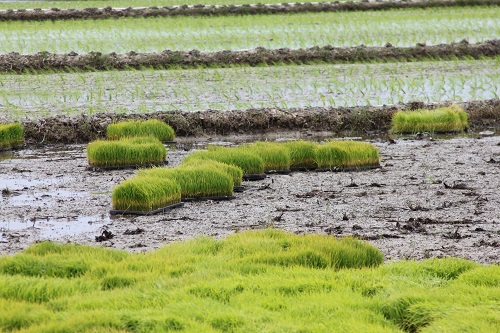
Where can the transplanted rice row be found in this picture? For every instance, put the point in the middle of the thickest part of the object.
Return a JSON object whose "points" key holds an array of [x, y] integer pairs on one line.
{"points": [[401, 28], [446, 119], [126, 152], [11, 135], [152, 127]]}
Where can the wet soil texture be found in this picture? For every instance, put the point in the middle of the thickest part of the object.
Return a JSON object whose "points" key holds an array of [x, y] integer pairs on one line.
{"points": [[431, 198], [21, 63]]}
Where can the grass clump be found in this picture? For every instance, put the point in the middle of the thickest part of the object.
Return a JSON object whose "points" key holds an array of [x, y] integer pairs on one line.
{"points": [[126, 151], [446, 119], [249, 162], [11, 135], [346, 154], [145, 194], [195, 181], [235, 172], [302, 154], [152, 127], [257, 281], [276, 157]]}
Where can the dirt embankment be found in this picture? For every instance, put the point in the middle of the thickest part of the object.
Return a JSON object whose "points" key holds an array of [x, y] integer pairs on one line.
{"points": [[216, 10], [24, 63], [83, 128]]}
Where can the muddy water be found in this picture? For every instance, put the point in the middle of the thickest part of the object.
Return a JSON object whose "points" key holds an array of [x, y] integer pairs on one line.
{"points": [[432, 197]]}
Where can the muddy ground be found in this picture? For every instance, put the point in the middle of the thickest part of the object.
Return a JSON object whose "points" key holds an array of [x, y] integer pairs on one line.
{"points": [[431, 198], [24, 63], [216, 10]]}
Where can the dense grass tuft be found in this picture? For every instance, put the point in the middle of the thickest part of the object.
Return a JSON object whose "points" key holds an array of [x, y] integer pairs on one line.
{"points": [[127, 151], [346, 154], [195, 181], [145, 194], [11, 135], [276, 157], [302, 154], [235, 172], [249, 162], [152, 127], [258, 281], [445, 119]]}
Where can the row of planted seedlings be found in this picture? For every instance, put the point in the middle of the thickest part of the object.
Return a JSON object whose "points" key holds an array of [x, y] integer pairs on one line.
{"points": [[11, 136], [216, 173], [131, 144]]}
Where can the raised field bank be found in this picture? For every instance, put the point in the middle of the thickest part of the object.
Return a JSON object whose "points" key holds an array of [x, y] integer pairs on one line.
{"points": [[231, 167]]}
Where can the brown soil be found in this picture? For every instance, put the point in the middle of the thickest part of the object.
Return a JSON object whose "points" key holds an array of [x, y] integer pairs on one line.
{"points": [[431, 198], [214, 10], [24, 63], [82, 128]]}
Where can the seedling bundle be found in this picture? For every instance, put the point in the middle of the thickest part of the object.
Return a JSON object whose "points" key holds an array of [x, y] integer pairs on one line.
{"points": [[346, 155], [11, 135], [196, 182], [276, 157], [302, 154], [249, 162], [126, 152], [445, 119], [153, 127], [235, 172], [144, 194]]}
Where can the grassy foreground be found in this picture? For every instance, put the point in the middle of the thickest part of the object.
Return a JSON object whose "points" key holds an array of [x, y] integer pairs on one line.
{"points": [[266, 281]]}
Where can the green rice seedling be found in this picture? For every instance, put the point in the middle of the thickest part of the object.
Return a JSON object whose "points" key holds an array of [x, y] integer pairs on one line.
{"points": [[302, 154], [145, 194], [445, 119], [249, 162], [346, 154], [11, 135], [235, 172], [126, 151], [276, 157], [195, 181], [152, 127]]}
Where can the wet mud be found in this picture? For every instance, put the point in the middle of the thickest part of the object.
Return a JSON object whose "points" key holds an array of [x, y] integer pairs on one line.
{"points": [[28, 63], [432, 197], [83, 128], [216, 10]]}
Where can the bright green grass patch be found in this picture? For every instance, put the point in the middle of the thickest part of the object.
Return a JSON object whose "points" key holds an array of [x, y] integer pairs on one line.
{"points": [[145, 194], [11, 135], [195, 181], [302, 154], [249, 162], [235, 172], [258, 281], [445, 119], [126, 151], [276, 157], [346, 154], [152, 127]]}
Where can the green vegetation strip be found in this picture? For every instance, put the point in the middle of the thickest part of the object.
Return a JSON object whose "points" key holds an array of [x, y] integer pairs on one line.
{"points": [[126, 152], [346, 155], [18, 63], [446, 119], [219, 10], [11, 135], [152, 127], [266, 281], [401, 28]]}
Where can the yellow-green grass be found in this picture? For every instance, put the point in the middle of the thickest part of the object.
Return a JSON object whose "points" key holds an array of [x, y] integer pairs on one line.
{"points": [[249, 162], [302, 154], [265, 281], [195, 181], [276, 157], [11, 135], [152, 127], [126, 151], [446, 119], [145, 194], [346, 154], [235, 172]]}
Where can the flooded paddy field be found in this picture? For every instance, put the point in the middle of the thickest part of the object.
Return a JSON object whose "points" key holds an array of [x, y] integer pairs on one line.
{"points": [[431, 198]]}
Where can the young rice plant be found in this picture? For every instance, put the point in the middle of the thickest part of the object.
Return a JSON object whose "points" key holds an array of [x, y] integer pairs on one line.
{"points": [[276, 157], [235, 172], [445, 119], [11, 135], [346, 154], [249, 162], [302, 154], [152, 127]]}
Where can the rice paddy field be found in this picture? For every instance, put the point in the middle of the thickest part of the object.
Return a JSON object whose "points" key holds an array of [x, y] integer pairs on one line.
{"points": [[402, 235]]}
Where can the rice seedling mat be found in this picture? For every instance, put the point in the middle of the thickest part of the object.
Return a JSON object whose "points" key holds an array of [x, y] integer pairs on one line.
{"points": [[153, 212]]}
